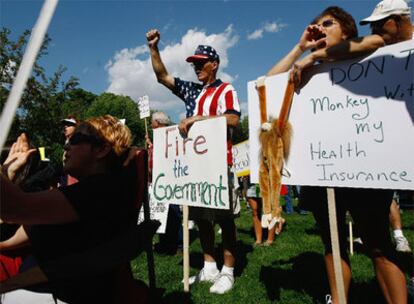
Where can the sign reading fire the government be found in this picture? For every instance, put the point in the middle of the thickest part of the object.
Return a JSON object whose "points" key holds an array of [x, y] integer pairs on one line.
{"points": [[193, 170]]}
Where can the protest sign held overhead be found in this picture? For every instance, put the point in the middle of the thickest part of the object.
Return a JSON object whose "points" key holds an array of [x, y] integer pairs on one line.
{"points": [[144, 107], [192, 171], [352, 122]]}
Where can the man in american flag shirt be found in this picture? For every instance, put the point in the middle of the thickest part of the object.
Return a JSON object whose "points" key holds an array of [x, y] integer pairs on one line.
{"points": [[211, 97]]}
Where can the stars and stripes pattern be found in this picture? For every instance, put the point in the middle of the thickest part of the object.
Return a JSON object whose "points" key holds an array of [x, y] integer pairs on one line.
{"points": [[187, 91], [217, 99], [204, 52]]}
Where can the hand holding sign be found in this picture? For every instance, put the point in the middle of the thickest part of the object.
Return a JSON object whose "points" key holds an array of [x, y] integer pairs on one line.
{"points": [[186, 124]]}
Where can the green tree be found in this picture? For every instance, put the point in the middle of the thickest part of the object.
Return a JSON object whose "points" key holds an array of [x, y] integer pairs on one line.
{"points": [[40, 109], [77, 102], [241, 132], [122, 107]]}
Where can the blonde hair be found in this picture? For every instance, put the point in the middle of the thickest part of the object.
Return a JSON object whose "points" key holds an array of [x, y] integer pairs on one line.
{"points": [[111, 130]]}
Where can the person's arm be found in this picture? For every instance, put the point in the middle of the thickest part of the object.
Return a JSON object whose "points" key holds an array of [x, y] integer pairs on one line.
{"points": [[18, 240], [349, 49], [44, 207], [311, 38], [232, 120], [163, 77], [30, 277], [345, 50]]}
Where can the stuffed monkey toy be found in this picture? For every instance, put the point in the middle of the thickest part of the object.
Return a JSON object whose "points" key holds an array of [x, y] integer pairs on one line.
{"points": [[275, 136]]}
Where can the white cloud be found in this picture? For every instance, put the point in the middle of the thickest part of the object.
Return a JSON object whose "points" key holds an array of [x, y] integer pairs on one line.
{"points": [[257, 34], [130, 70], [269, 27]]}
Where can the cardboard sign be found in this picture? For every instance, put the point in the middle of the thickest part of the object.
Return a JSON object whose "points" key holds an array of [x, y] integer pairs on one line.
{"points": [[143, 106], [352, 122], [241, 159], [192, 171], [158, 211]]}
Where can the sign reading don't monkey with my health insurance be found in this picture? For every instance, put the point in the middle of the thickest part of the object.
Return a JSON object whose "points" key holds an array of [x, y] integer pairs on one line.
{"points": [[353, 122], [192, 171]]}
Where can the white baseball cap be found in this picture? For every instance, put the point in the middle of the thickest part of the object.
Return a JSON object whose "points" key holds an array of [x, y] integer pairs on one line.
{"points": [[387, 8], [69, 121]]}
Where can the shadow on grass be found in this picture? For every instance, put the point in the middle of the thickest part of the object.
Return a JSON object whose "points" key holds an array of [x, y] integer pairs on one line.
{"points": [[249, 232], [307, 275], [312, 231], [367, 292], [405, 261], [176, 297]]}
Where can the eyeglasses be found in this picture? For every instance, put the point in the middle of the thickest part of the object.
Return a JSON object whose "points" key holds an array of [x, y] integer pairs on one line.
{"points": [[198, 65], [327, 23], [79, 138]]}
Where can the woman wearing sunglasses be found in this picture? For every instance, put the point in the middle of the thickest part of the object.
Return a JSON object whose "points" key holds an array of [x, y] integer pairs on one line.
{"points": [[331, 27], [369, 208], [74, 219]]}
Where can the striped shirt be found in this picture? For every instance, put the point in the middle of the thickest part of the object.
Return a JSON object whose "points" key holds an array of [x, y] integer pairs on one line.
{"points": [[215, 99]]}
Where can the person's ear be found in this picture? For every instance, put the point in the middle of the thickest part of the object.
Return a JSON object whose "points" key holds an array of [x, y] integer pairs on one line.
{"points": [[215, 66], [103, 150]]}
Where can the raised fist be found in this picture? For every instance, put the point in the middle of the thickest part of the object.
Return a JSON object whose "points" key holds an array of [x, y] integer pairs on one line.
{"points": [[153, 36]]}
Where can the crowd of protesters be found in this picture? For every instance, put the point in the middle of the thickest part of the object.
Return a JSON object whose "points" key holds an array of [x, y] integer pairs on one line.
{"points": [[94, 201]]}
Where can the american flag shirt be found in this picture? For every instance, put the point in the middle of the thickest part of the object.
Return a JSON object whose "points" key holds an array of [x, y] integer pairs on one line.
{"points": [[215, 99]]}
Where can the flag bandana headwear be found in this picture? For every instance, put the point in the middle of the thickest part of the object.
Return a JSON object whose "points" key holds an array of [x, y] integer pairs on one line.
{"points": [[387, 8], [204, 52]]}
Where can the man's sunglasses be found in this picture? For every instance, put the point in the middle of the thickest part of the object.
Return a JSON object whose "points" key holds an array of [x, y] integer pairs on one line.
{"points": [[327, 23], [79, 138], [380, 23], [198, 65]]}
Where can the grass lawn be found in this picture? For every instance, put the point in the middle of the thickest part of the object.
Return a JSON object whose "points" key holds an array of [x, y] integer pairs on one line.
{"points": [[290, 271]]}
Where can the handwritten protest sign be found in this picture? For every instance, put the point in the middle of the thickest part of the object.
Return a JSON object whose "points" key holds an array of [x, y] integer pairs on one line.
{"points": [[241, 159], [158, 211], [144, 108], [192, 171], [352, 122]]}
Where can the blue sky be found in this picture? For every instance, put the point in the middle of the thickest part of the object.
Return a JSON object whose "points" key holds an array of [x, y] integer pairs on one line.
{"points": [[103, 42]]}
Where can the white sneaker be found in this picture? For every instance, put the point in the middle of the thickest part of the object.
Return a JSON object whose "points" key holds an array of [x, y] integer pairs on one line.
{"points": [[204, 276], [223, 283], [191, 225], [402, 244], [328, 299]]}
